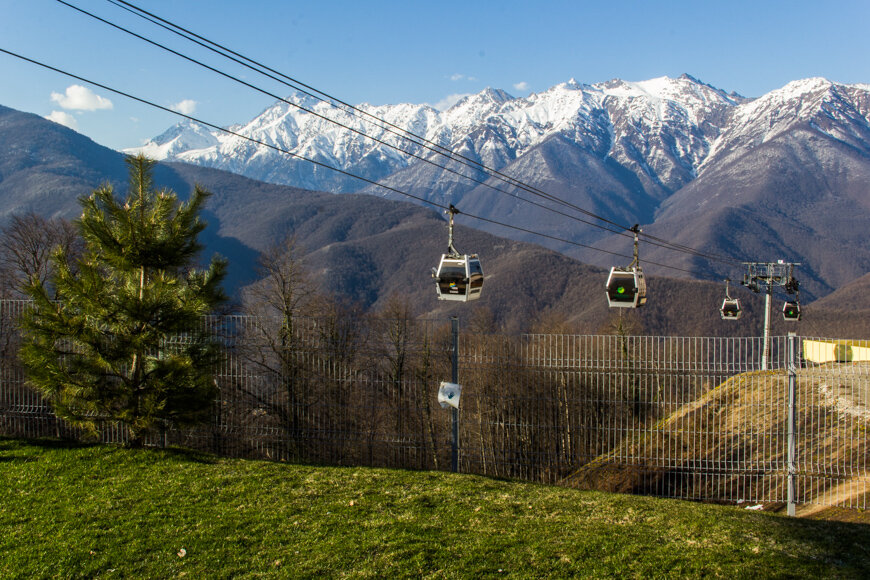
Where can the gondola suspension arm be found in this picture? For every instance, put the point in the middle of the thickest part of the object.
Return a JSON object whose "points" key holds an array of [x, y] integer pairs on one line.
{"points": [[636, 230], [451, 249]]}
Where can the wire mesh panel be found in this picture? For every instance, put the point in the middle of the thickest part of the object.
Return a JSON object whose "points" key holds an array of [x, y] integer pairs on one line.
{"points": [[691, 418], [338, 391], [23, 413], [833, 404], [639, 414], [333, 391]]}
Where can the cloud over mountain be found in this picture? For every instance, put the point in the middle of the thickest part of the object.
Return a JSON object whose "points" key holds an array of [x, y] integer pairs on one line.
{"points": [[79, 98]]}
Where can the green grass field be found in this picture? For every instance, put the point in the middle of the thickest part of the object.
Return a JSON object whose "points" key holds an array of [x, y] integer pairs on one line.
{"points": [[103, 512]]}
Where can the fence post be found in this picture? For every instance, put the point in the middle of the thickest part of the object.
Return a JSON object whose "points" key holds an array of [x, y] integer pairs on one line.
{"points": [[3, 306], [792, 412], [765, 347], [454, 378]]}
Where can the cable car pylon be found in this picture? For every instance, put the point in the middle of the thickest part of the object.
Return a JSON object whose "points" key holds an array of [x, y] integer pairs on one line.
{"points": [[458, 277], [767, 275], [626, 287]]}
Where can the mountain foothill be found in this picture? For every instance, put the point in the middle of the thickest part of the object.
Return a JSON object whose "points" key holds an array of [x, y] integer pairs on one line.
{"points": [[782, 176]]}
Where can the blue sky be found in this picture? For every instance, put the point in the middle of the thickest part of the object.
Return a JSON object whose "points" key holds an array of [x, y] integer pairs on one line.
{"points": [[403, 51]]}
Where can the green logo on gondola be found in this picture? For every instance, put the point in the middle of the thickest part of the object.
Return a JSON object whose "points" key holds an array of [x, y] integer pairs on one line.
{"points": [[620, 290]]}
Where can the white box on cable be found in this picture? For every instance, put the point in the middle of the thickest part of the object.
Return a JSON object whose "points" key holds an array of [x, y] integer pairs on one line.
{"points": [[448, 395]]}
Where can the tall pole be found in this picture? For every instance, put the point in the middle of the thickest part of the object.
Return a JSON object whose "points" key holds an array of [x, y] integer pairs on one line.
{"points": [[792, 422], [454, 459], [765, 354]]}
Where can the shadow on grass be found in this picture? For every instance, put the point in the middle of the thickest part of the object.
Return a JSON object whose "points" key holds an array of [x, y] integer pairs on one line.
{"points": [[15, 449], [8, 443], [182, 454], [174, 453], [21, 458]]}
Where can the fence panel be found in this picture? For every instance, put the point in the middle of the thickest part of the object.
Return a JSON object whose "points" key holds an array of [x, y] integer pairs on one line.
{"points": [[23, 413], [638, 414], [680, 417], [833, 403]]}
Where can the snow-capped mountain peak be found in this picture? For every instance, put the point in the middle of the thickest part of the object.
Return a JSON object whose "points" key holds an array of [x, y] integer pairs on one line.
{"points": [[839, 111], [183, 137], [663, 130]]}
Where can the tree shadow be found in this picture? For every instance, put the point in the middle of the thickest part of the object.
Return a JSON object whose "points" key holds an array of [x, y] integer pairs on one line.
{"points": [[181, 454], [12, 443]]}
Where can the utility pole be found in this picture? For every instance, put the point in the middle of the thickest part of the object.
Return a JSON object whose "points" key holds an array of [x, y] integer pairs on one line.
{"points": [[766, 275], [454, 415]]}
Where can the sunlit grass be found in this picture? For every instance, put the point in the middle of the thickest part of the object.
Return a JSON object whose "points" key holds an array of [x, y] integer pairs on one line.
{"points": [[73, 511]]}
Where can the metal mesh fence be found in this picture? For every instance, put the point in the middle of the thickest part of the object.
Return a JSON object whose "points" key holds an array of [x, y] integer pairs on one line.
{"points": [[690, 418]]}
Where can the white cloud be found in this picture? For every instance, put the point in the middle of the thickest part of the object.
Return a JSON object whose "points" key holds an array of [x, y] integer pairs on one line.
{"points": [[522, 86], [461, 77], [449, 101], [64, 119], [79, 98], [185, 107]]}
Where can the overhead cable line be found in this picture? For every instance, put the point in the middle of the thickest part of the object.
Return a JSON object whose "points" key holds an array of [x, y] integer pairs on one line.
{"points": [[346, 107], [338, 123], [385, 125], [402, 133], [306, 159]]}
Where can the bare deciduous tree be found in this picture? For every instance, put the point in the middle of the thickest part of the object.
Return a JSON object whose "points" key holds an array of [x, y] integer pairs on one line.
{"points": [[303, 341], [26, 245], [276, 301]]}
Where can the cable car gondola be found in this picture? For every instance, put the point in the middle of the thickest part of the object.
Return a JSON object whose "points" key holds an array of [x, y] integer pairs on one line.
{"points": [[458, 277], [730, 309], [791, 311], [626, 287]]}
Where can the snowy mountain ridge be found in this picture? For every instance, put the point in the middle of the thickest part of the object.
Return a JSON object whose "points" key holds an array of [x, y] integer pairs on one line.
{"points": [[665, 131], [840, 111], [491, 126]]}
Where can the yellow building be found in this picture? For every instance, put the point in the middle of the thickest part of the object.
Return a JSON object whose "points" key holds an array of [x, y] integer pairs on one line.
{"points": [[823, 351]]}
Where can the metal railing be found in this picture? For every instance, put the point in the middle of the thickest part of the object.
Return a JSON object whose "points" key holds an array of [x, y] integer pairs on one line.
{"points": [[690, 418]]}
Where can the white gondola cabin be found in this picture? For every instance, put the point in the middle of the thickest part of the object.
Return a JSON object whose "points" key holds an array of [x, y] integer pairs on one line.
{"points": [[791, 311], [459, 277], [626, 288], [730, 309]]}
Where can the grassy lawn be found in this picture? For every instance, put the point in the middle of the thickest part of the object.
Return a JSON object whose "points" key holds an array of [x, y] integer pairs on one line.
{"points": [[100, 511]]}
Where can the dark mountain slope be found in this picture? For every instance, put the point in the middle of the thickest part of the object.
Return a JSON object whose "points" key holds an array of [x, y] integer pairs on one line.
{"points": [[363, 247], [45, 167], [853, 296], [577, 176], [801, 197]]}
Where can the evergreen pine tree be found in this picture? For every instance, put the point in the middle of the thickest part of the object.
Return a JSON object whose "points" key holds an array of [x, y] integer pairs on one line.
{"points": [[121, 337]]}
